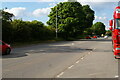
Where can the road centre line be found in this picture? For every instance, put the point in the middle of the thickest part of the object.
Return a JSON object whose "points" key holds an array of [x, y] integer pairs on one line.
{"points": [[82, 57], [77, 61], [70, 67], [60, 74]]}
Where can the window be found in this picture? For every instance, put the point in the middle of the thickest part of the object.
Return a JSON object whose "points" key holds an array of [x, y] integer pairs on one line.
{"points": [[117, 10], [117, 23], [0, 43]]}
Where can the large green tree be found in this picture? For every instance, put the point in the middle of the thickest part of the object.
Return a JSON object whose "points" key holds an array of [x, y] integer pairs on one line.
{"points": [[6, 26], [70, 19], [6, 16], [89, 13], [98, 28]]}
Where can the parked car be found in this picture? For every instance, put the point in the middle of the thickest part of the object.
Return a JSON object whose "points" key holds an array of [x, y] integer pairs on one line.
{"points": [[106, 37], [5, 48], [94, 37], [88, 37]]}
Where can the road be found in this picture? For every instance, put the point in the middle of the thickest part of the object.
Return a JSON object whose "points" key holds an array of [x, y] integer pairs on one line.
{"points": [[65, 59]]}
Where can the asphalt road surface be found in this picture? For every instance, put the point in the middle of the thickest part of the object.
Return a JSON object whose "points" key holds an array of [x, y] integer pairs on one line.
{"points": [[65, 59]]}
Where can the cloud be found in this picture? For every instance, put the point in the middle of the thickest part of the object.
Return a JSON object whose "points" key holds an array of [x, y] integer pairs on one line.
{"points": [[21, 12], [27, 0], [46, 0], [52, 4], [95, 0], [99, 0], [41, 12], [58, 0], [100, 18], [18, 11]]}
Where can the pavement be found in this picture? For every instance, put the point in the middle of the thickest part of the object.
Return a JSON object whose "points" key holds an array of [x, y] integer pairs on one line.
{"points": [[66, 59]]}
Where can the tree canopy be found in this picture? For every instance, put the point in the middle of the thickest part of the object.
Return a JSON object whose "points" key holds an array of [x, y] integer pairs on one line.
{"points": [[89, 13], [6, 16], [72, 18], [18, 30], [98, 28], [6, 25]]}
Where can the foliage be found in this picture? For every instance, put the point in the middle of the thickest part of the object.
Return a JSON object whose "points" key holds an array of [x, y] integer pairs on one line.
{"points": [[72, 19], [21, 30], [6, 26], [34, 30], [6, 16], [18, 30], [6, 31], [109, 32], [98, 28], [89, 13], [88, 31]]}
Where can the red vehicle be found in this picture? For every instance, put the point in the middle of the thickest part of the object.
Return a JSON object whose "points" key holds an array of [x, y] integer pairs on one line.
{"points": [[88, 37], [95, 37], [115, 28], [5, 48]]}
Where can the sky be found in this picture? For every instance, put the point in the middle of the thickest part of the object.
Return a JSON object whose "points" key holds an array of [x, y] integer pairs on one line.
{"points": [[29, 10]]}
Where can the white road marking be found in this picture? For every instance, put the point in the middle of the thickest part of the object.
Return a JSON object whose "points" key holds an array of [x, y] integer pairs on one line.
{"points": [[116, 76], [77, 61], [60, 74], [73, 44], [70, 67], [82, 58]]}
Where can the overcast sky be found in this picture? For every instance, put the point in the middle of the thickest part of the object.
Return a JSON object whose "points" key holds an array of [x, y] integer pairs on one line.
{"points": [[29, 10]]}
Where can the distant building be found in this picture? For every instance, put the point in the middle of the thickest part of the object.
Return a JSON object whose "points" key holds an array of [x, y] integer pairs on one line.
{"points": [[72, 0]]}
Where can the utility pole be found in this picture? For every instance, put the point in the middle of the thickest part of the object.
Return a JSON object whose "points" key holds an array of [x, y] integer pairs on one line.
{"points": [[56, 22]]}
